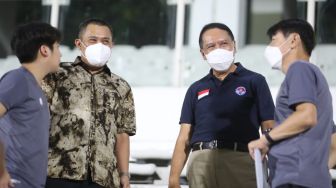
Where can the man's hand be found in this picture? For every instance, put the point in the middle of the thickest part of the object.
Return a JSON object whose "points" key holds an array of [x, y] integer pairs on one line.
{"points": [[174, 183], [5, 180], [260, 144], [124, 182], [180, 155]]}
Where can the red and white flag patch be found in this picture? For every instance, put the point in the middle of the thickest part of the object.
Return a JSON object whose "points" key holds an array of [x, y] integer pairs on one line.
{"points": [[203, 93]]}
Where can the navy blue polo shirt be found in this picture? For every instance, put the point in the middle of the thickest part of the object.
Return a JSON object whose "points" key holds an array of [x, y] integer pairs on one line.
{"points": [[230, 110]]}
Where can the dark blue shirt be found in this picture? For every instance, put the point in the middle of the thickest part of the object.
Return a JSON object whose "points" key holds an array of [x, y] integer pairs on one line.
{"points": [[24, 129], [230, 110]]}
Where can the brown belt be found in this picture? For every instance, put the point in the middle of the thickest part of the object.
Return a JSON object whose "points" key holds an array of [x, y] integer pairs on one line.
{"points": [[218, 144]]}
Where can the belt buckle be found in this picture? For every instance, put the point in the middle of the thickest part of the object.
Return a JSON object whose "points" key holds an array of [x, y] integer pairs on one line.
{"points": [[213, 144]]}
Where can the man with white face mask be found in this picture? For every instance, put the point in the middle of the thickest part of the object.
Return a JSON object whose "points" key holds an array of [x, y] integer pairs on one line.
{"points": [[298, 146], [92, 116], [221, 113]]}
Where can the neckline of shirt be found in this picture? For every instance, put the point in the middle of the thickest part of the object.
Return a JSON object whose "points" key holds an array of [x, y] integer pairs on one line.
{"points": [[238, 70], [79, 62]]}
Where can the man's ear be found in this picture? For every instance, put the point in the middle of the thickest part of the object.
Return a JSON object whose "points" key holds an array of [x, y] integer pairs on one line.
{"points": [[44, 51], [296, 40], [234, 47], [78, 43], [203, 54]]}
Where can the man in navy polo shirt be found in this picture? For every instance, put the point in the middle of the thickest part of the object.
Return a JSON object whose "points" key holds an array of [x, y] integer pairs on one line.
{"points": [[304, 114], [221, 113]]}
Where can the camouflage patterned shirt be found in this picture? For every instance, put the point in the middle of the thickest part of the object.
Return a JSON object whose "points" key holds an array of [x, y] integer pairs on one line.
{"points": [[87, 112]]}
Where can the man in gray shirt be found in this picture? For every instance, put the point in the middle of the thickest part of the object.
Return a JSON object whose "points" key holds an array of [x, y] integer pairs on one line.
{"points": [[298, 146], [24, 112]]}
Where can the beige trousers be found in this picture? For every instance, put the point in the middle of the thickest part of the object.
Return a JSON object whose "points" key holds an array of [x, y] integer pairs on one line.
{"points": [[221, 168]]}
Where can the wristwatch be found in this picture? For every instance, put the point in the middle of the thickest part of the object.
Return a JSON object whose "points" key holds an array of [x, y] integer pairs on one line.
{"points": [[266, 130], [269, 139]]}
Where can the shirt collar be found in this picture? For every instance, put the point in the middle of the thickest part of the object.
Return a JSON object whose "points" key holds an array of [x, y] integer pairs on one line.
{"points": [[238, 71], [78, 61]]}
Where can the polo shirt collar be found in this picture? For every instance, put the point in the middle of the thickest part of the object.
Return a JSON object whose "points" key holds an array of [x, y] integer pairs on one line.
{"points": [[238, 70]]}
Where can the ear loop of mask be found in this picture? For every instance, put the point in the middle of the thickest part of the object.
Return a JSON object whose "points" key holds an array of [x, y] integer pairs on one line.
{"points": [[283, 54], [83, 54]]}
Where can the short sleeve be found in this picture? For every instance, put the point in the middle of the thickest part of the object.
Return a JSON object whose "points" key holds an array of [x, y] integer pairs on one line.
{"points": [[126, 122], [264, 99], [302, 84], [187, 112], [13, 89]]}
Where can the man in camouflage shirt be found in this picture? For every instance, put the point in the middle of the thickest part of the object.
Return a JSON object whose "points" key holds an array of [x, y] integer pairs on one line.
{"points": [[92, 116]]}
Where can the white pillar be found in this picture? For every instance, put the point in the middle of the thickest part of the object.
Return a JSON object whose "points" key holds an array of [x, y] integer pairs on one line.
{"points": [[176, 76], [55, 7], [54, 13], [311, 12]]}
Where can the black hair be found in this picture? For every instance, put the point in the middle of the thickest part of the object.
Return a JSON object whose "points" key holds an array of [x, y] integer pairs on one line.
{"points": [[212, 26], [301, 27], [95, 21], [28, 38]]}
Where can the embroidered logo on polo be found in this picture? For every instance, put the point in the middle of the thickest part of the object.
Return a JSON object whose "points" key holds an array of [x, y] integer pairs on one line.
{"points": [[240, 90], [203, 93]]}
